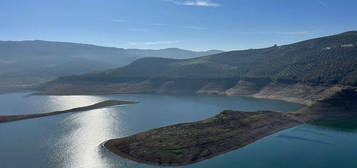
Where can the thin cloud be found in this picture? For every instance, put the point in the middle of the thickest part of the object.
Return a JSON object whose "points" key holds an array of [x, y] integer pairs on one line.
{"points": [[138, 29], [118, 20], [322, 3], [281, 32], [152, 43], [159, 24], [194, 27], [202, 3], [7, 61], [176, 26]]}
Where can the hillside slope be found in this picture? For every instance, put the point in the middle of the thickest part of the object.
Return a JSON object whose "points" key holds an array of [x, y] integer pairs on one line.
{"points": [[311, 67], [26, 63]]}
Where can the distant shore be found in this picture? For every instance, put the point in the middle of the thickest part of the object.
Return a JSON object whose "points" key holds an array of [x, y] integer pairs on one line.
{"points": [[301, 93], [107, 103]]}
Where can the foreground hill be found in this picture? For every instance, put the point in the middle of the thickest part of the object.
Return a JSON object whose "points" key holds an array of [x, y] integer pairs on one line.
{"points": [[27, 63], [300, 72]]}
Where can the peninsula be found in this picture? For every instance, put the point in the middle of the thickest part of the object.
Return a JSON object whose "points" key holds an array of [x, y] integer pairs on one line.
{"points": [[188, 143], [107, 103]]}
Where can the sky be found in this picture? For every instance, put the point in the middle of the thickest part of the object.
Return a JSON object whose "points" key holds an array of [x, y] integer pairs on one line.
{"points": [[187, 24]]}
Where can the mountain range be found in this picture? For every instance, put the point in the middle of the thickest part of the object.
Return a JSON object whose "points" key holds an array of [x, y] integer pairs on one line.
{"points": [[299, 72], [24, 64]]}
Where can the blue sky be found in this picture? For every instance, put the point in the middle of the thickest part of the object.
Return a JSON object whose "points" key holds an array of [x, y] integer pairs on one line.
{"points": [[188, 24]]}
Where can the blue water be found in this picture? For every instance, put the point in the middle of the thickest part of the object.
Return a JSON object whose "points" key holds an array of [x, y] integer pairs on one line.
{"points": [[73, 140]]}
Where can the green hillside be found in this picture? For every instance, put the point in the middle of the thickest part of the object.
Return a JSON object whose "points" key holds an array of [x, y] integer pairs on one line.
{"points": [[326, 60]]}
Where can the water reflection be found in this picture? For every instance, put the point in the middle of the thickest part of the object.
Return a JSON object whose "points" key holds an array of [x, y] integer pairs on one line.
{"points": [[302, 139], [340, 125], [312, 131], [68, 102], [84, 131], [73, 139]]}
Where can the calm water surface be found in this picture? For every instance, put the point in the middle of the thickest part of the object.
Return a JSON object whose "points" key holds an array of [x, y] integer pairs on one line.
{"points": [[73, 140]]}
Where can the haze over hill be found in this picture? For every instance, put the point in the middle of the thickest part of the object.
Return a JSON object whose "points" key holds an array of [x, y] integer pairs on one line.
{"points": [[309, 69], [27, 63]]}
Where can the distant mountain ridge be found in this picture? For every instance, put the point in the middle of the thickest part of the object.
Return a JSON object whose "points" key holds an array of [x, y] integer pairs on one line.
{"points": [[10, 49], [27, 63], [330, 60], [316, 64]]}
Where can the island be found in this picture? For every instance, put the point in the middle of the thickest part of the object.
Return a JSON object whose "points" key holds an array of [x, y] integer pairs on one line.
{"points": [[187, 143], [106, 103]]}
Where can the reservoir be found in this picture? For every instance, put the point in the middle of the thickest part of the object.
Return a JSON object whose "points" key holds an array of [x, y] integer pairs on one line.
{"points": [[74, 139]]}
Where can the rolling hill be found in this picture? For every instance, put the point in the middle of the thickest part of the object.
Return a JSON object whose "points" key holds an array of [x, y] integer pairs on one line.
{"points": [[27, 63], [309, 69]]}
